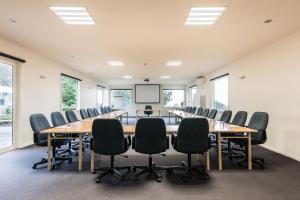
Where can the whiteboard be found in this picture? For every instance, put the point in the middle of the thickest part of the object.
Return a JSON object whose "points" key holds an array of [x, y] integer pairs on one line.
{"points": [[147, 93]]}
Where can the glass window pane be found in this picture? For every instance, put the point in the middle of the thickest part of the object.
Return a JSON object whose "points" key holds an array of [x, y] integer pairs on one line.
{"points": [[69, 93], [121, 99], [220, 93], [173, 98], [99, 96], [6, 105]]}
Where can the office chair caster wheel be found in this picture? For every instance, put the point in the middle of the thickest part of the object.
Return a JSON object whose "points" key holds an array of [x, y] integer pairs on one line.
{"points": [[93, 172], [158, 180], [34, 166], [98, 180], [70, 160], [53, 167]]}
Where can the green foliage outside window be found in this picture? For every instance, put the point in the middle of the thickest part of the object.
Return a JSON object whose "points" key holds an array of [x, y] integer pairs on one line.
{"points": [[69, 93]]}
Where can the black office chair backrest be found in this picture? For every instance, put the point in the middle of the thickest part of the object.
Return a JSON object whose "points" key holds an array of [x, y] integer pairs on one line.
{"points": [[90, 112], [57, 119], [205, 112], [192, 136], [108, 137], [259, 121], [187, 109], [199, 111], [71, 116], [83, 114], [212, 114], [193, 111], [148, 107], [150, 136], [107, 109], [96, 112], [226, 116], [103, 111], [38, 123], [110, 109], [240, 118]]}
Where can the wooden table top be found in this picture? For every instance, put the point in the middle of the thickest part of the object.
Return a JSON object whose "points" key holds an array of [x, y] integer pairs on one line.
{"points": [[85, 126]]}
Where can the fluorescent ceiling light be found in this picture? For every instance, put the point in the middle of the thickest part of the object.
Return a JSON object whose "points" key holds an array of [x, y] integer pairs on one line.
{"points": [[73, 15], [115, 63], [204, 15], [174, 63], [127, 77], [165, 77]]}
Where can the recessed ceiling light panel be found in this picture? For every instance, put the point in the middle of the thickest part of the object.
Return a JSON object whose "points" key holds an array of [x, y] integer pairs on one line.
{"points": [[127, 77], [165, 77], [115, 63], [204, 15], [174, 63], [73, 15]]}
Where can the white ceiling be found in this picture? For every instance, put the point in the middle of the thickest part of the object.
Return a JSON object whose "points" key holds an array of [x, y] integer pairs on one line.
{"points": [[147, 31]]}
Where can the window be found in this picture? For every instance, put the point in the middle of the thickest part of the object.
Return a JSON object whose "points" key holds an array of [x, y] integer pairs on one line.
{"points": [[220, 92], [100, 95], [70, 93], [193, 92], [173, 97], [121, 98]]}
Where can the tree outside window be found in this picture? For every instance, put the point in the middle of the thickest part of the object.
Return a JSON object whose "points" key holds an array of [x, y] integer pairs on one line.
{"points": [[69, 93]]}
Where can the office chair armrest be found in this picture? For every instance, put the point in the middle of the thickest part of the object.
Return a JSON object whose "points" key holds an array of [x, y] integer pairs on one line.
{"points": [[128, 140], [133, 142], [167, 142], [92, 143], [174, 139]]}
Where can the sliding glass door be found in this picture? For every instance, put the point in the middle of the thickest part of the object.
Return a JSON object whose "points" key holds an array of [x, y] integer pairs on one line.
{"points": [[6, 106]]}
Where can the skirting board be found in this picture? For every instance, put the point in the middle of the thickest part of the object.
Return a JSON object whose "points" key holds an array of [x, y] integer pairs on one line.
{"points": [[24, 145], [280, 152]]}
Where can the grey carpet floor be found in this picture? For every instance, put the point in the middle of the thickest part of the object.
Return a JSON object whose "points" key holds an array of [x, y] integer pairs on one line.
{"points": [[279, 180]]}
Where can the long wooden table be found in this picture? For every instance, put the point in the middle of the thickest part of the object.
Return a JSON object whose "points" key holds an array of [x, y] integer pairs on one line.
{"points": [[77, 129], [222, 129]]}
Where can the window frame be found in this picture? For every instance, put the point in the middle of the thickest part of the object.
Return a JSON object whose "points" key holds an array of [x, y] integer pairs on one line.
{"points": [[163, 102], [77, 91], [213, 91]]}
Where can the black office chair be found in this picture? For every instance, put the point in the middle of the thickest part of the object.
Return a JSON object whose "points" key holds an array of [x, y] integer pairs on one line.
{"points": [[205, 112], [192, 138], [107, 109], [71, 116], [226, 116], [103, 111], [39, 123], [199, 111], [193, 110], [110, 109], [96, 112], [212, 114], [148, 110], [188, 109], [90, 112], [259, 121], [83, 114], [108, 139], [150, 138]]}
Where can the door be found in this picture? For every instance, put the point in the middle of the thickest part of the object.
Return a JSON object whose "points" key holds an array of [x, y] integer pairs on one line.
{"points": [[6, 106]]}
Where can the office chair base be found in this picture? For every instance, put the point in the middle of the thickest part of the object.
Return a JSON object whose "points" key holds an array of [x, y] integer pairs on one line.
{"points": [[112, 170], [151, 169], [187, 167], [243, 159], [53, 162]]}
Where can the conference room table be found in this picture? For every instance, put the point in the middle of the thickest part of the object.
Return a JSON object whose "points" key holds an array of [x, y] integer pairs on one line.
{"points": [[143, 110], [222, 131], [76, 130]]}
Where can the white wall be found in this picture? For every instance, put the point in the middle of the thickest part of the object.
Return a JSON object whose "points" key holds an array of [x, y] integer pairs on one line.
{"points": [[37, 95], [132, 110], [271, 84]]}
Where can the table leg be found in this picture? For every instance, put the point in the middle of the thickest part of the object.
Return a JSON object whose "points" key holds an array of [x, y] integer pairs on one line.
{"points": [[80, 153], [207, 160], [219, 151], [249, 152], [92, 161], [49, 152]]}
